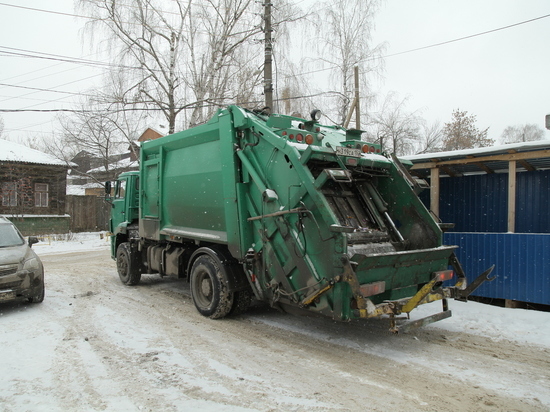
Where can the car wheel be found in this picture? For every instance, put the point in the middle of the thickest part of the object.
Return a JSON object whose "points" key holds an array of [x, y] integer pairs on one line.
{"points": [[209, 288], [128, 265], [39, 293]]}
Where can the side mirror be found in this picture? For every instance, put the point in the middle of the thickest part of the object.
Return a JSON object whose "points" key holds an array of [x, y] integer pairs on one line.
{"points": [[32, 240], [108, 191]]}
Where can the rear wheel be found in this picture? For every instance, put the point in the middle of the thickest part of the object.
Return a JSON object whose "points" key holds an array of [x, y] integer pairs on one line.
{"points": [[127, 264], [209, 288]]}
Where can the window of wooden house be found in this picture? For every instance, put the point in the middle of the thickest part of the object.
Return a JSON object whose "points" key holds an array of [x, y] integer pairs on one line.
{"points": [[9, 194], [41, 194]]}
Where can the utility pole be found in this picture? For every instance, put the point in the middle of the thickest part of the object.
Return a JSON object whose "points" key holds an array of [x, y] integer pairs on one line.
{"points": [[268, 70], [357, 111]]}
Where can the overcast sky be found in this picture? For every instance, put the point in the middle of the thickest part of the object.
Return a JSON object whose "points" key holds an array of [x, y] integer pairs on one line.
{"points": [[502, 77]]}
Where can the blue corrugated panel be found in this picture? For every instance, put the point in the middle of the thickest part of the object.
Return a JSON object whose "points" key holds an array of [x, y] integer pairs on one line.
{"points": [[480, 203], [533, 202], [475, 203], [522, 263]]}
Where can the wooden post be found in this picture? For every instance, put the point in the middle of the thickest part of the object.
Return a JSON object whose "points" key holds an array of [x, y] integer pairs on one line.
{"points": [[355, 105], [512, 196], [434, 190]]}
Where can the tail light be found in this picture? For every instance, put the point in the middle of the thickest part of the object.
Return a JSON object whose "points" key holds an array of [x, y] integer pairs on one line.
{"points": [[444, 275], [371, 289], [365, 148], [300, 137], [309, 139]]}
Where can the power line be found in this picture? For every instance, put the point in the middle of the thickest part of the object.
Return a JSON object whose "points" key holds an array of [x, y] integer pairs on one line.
{"points": [[189, 106], [43, 10], [429, 46], [58, 57], [470, 36], [44, 90], [160, 12]]}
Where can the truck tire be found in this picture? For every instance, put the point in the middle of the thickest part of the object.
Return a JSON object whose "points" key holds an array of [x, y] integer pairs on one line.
{"points": [[127, 264], [209, 288]]}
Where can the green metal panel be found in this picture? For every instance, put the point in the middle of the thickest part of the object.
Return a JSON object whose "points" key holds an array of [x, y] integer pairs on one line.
{"points": [[310, 222]]}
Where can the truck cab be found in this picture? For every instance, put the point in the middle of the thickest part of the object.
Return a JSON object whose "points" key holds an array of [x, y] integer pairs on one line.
{"points": [[125, 207]]}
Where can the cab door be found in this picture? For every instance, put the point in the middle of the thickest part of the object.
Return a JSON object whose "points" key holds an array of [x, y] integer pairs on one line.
{"points": [[119, 220]]}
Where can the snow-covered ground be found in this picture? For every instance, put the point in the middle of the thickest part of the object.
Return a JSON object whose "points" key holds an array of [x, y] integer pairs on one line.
{"points": [[497, 323], [71, 242], [97, 345]]}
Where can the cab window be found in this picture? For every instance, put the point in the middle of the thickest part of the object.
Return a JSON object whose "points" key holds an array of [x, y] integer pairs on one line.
{"points": [[120, 189]]}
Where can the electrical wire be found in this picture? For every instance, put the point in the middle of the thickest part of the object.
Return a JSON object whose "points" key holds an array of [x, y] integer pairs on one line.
{"points": [[429, 46], [61, 58], [189, 106], [43, 90]]}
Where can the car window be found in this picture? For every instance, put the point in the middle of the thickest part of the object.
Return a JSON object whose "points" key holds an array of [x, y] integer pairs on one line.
{"points": [[9, 236]]}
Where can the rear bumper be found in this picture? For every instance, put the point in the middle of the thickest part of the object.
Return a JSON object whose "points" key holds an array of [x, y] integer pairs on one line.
{"points": [[428, 293]]}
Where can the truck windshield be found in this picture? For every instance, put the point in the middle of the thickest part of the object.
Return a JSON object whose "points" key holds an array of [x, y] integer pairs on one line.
{"points": [[9, 236]]}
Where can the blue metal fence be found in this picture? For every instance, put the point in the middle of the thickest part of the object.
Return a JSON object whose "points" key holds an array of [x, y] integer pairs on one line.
{"points": [[479, 203], [522, 263]]}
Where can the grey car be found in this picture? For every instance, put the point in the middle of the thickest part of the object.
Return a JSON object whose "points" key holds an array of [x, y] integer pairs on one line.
{"points": [[21, 271]]}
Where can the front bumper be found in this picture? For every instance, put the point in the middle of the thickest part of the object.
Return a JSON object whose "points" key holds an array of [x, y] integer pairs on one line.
{"points": [[16, 284]]}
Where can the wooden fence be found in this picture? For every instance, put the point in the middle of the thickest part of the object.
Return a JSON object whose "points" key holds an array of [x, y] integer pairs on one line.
{"points": [[88, 213]]}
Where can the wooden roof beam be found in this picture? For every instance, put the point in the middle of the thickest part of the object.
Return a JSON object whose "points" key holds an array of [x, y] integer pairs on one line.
{"points": [[482, 166], [526, 165], [450, 171]]}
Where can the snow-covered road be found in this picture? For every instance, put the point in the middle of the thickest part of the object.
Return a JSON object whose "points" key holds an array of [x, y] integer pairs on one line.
{"points": [[94, 344]]}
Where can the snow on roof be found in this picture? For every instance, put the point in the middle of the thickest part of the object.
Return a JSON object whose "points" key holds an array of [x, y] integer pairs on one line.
{"points": [[80, 190], [15, 152], [520, 147], [121, 164]]}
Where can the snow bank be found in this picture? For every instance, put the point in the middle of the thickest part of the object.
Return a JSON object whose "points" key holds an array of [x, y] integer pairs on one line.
{"points": [[71, 242]]}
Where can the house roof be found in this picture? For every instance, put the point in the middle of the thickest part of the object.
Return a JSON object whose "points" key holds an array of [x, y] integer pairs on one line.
{"points": [[120, 164], [528, 155], [15, 152]]}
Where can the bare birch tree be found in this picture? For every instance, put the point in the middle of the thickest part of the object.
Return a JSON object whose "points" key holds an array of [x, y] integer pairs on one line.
{"points": [[430, 137], [397, 128], [522, 133], [183, 54], [347, 31]]}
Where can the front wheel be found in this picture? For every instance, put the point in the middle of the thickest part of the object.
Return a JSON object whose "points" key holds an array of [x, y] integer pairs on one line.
{"points": [[127, 264], [39, 293], [209, 288]]}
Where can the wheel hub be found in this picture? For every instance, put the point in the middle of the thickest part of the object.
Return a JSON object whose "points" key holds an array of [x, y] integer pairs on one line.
{"points": [[206, 287]]}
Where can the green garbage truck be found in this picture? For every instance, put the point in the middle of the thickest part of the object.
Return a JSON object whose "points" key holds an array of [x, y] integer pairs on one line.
{"points": [[287, 211]]}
